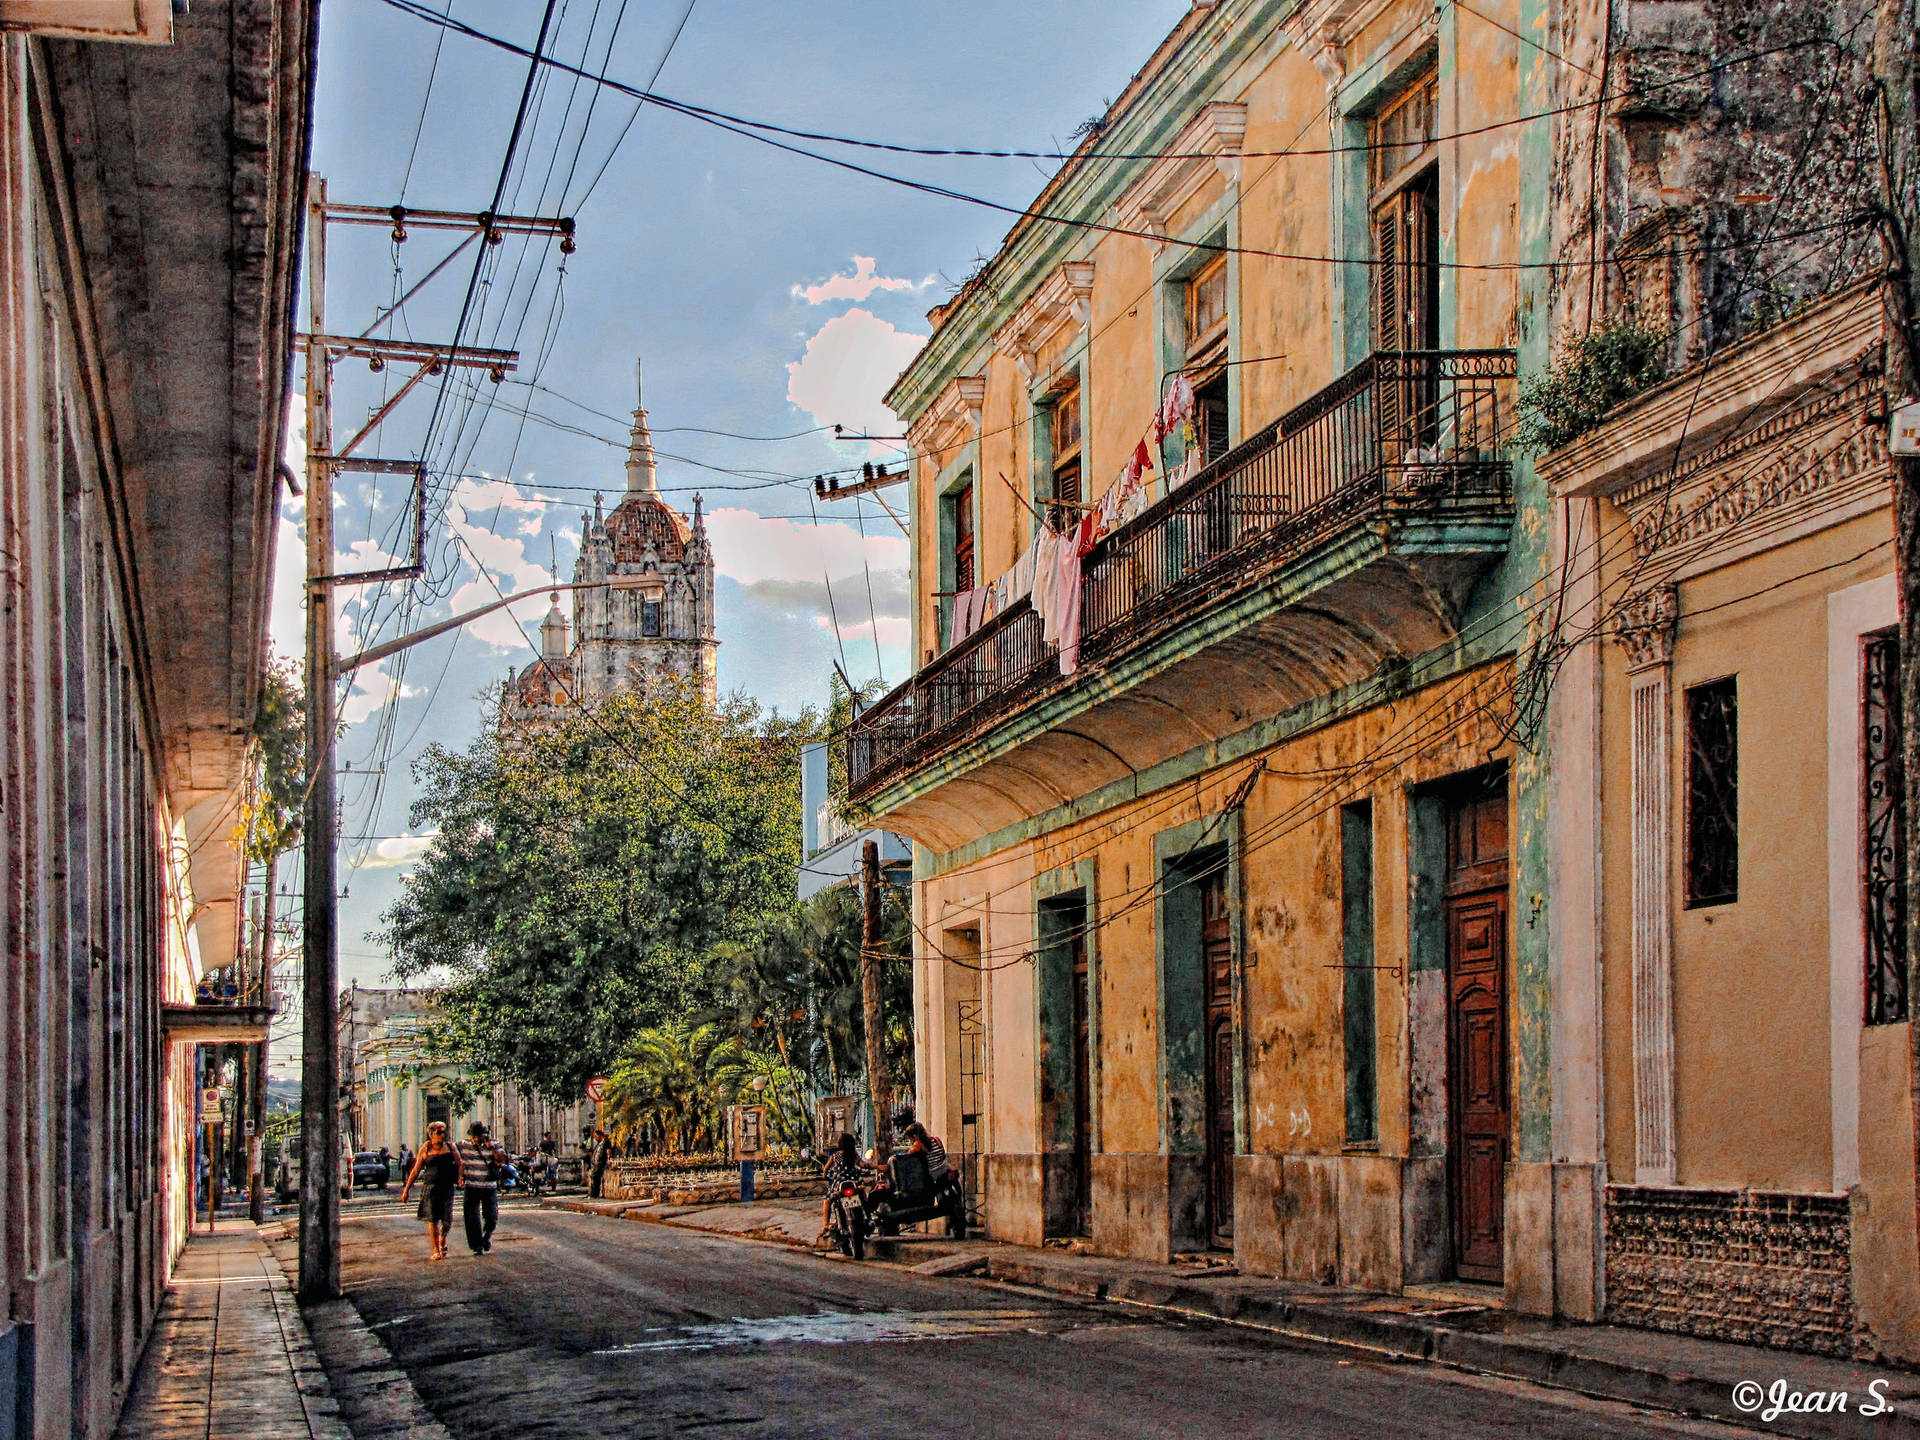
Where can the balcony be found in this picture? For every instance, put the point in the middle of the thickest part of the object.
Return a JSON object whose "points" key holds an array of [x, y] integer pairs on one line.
{"points": [[1345, 534]]}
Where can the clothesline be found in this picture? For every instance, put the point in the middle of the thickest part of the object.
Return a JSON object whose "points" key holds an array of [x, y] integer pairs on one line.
{"points": [[1050, 571]]}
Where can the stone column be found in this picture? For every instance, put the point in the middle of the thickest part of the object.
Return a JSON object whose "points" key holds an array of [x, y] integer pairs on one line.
{"points": [[1645, 630]]}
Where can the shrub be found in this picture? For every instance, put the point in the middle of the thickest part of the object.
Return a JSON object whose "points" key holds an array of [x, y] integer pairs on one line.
{"points": [[1601, 370]]}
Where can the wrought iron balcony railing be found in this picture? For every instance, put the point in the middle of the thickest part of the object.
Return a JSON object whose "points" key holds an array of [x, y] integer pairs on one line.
{"points": [[1402, 430]]}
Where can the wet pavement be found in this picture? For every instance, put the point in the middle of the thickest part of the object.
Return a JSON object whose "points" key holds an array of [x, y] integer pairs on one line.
{"points": [[579, 1325]]}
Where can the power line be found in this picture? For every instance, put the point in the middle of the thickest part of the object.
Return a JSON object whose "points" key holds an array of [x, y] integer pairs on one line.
{"points": [[764, 133]]}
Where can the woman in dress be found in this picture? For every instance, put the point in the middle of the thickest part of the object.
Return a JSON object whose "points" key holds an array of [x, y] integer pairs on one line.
{"points": [[437, 1167]]}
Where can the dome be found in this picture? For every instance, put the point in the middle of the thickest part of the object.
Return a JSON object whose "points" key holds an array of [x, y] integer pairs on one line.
{"points": [[544, 682], [643, 519]]}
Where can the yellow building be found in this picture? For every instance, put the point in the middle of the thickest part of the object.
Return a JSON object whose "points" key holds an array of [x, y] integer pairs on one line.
{"points": [[1227, 860], [1301, 865]]}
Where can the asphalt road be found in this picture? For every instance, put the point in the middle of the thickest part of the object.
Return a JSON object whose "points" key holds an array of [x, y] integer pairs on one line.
{"points": [[581, 1326]]}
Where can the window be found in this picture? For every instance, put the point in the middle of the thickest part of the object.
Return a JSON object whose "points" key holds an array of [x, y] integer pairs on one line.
{"points": [[1206, 367], [963, 538], [1207, 306], [1713, 780], [1356, 914], [1403, 180], [1063, 436], [1883, 829], [650, 617]]}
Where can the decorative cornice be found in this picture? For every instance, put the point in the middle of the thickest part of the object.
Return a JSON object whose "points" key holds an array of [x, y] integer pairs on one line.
{"points": [[1211, 143], [1695, 410], [1064, 298], [1645, 626], [956, 406], [1219, 40]]}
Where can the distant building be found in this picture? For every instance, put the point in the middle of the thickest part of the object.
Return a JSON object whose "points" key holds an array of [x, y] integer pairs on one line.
{"points": [[398, 1086], [830, 845], [647, 616]]}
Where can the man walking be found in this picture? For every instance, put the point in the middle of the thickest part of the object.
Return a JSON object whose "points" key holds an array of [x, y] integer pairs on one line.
{"points": [[479, 1196]]}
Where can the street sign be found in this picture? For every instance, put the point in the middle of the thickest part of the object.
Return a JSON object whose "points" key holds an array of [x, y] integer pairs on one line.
{"points": [[748, 1124], [597, 1089], [210, 1111]]}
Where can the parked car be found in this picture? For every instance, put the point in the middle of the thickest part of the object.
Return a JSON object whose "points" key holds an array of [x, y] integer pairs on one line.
{"points": [[370, 1170]]}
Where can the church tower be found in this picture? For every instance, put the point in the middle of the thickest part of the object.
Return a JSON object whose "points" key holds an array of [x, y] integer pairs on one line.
{"points": [[648, 615], [645, 612]]}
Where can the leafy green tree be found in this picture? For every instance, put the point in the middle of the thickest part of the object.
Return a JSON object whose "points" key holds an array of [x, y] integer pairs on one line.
{"points": [[586, 876], [272, 816], [798, 990]]}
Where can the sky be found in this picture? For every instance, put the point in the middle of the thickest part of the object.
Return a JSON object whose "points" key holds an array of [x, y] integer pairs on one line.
{"points": [[770, 295]]}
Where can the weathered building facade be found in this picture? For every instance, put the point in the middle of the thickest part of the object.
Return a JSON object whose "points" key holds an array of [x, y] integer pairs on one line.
{"points": [[152, 174], [1734, 1046], [1372, 848], [643, 614], [1230, 873]]}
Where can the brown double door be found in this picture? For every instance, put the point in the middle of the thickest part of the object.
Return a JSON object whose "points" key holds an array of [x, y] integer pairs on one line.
{"points": [[1479, 1106], [1216, 957]]}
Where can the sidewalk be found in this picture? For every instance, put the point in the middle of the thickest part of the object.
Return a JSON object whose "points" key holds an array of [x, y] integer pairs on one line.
{"points": [[1456, 1328], [229, 1354]]}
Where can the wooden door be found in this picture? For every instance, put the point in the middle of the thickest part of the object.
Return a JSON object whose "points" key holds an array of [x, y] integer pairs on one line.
{"points": [[1082, 1087], [1478, 1064], [1216, 951]]}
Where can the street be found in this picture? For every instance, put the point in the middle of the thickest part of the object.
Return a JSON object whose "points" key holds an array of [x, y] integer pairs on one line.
{"points": [[582, 1326]]}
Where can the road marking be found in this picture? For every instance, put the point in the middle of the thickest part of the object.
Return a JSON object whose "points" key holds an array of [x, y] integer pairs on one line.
{"points": [[842, 1328]]}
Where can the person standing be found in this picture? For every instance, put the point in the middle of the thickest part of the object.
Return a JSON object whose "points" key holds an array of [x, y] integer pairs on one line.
{"points": [[480, 1198], [438, 1169], [601, 1154], [550, 1160]]}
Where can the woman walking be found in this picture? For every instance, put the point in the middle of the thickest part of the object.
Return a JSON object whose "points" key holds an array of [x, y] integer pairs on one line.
{"points": [[441, 1164]]}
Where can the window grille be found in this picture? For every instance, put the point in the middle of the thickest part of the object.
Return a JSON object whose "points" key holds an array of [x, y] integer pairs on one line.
{"points": [[1883, 841], [1713, 795]]}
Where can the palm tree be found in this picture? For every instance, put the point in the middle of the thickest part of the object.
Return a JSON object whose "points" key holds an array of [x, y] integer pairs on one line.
{"points": [[676, 1081]]}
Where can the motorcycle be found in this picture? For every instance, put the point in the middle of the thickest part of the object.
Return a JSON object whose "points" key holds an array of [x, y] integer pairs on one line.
{"points": [[847, 1220], [908, 1195]]}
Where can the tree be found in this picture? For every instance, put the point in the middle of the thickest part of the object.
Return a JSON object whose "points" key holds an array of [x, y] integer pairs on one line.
{"points": [[676, 1081], [798, 989], [272, 816], [586, 876]]}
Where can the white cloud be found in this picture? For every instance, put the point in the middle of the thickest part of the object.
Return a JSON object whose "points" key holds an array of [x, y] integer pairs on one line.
{"points": [[753, 548], [857, 286], [505, 558], [398, 850], [849, 365]]}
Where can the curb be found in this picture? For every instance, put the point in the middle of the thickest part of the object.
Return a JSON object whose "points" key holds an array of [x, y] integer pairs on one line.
{"points": [[374, 1397], [1502, 1356]]}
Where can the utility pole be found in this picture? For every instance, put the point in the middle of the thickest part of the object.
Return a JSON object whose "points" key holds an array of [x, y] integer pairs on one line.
{"points": [[878, 1082], [320, 1092]]}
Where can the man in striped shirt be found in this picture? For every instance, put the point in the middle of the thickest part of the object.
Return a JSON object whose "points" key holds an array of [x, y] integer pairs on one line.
{"points": [[479, 1193]]}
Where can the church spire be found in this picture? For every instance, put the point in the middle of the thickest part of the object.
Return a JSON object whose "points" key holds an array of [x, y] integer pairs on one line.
{"points": [[640, 463]]}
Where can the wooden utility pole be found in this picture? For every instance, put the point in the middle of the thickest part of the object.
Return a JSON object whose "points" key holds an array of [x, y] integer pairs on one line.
{"points": [[878, 1082], [319, 1061], [320, 1094]]}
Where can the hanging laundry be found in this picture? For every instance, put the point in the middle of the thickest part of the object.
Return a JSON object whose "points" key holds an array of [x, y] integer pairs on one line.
{"points": [[1020, 577], [1178, 405], [1072, 576], [969, 612], [1046, 583]]}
